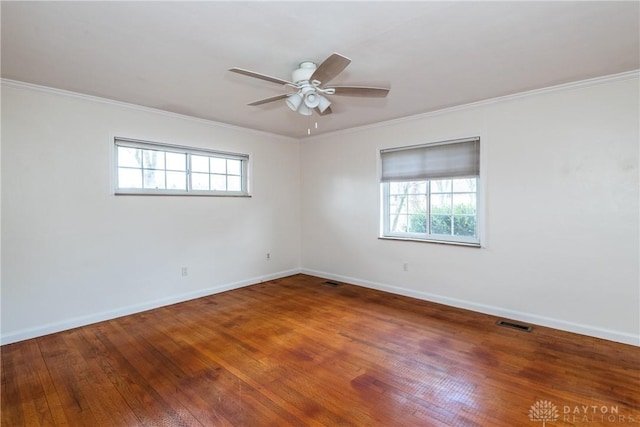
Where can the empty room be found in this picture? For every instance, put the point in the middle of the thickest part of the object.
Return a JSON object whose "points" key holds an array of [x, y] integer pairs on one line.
{"points": [[293, 213]]}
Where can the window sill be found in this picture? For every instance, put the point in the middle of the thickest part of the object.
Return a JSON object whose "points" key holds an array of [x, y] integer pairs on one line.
{"points": [[178, 194], [440, 242]]}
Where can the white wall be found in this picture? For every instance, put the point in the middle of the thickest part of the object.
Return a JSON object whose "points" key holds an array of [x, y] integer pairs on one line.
{"points": [[74, 253], [561, 235], [561, 242]]}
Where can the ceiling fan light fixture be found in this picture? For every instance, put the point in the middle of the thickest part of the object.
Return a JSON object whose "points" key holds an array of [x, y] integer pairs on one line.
{"points": [[323, 103], [304, 110], [294, 101], [312, 100]]}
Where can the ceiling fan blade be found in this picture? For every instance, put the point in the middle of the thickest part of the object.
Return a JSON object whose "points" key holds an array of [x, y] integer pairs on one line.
{"points": [[259, 76], [365, 91], [267, 100], [331, 67], [325, 112]]}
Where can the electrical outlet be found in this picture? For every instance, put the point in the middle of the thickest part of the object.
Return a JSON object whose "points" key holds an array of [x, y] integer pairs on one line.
{"points": [[184, 271], [405, 267], [268, 256]]}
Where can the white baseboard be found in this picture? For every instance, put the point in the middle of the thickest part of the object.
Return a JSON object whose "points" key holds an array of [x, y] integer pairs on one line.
{"points": [[75, 322], [563, 325]]}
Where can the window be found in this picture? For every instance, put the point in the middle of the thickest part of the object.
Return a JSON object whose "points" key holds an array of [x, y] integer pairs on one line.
{"points": [[430, 192], [151, 168]]}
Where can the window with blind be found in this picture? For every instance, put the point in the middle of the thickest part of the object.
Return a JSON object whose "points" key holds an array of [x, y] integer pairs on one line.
{"points": [[430, 192], [153, 168]]}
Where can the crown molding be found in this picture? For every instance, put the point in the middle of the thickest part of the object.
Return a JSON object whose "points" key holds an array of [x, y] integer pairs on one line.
{"points": [[596, 81], [92, 98]]}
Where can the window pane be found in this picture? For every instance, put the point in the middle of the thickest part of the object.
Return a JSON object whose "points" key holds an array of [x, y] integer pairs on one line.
{"points": [[441, 224], [200, 164], [218, 165], [129, 178], [234, 183], [417, 204], [412, 187], [176, 161], [417, 223], [464, 185], [398, 224], [417, 187], [398, 187], [441, 186], [176, 180], [464, 225], [154, 179], [146, 167], [130, 157], [464, 203], [153, 159], [200, 181], [234, 167], [397, 204], [440, 203], [218, 182]]}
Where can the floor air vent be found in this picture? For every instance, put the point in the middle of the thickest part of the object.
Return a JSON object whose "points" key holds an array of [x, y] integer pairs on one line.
{"points": [[331, 283], [513, 325]]}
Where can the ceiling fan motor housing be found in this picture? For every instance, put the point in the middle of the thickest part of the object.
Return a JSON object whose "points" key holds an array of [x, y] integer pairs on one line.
{"points": [[304, 72]]}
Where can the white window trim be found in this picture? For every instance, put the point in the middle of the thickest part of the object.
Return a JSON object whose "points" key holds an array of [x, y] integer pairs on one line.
{"points": [[478, 242], [137, 143]]}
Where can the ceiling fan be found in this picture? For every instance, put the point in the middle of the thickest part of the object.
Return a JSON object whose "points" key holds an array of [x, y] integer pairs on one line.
{"points": [[309, 82]]}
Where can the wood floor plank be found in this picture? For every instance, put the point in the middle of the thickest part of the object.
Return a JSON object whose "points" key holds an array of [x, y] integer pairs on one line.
{"points": [[12, 413], [242, 361], [299, 352], [70, 376], [145, 387]]}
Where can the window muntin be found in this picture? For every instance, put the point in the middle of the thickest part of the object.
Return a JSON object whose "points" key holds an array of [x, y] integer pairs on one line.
{"points": [[439, 202], [151, 168]]}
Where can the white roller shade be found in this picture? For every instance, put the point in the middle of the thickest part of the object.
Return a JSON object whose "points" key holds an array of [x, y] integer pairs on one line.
{"points": [[459, 158]]}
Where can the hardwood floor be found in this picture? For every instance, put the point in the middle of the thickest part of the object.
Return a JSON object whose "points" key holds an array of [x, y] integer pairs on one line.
{"points": [[297, 351]]}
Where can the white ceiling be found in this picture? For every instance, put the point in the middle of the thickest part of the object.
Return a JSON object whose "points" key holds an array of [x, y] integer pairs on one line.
{"points": [[174, 56]]}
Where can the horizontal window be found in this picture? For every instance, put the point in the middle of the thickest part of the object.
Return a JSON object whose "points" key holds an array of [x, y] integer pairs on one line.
{"points": [[152, 168], [431, 192]]}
